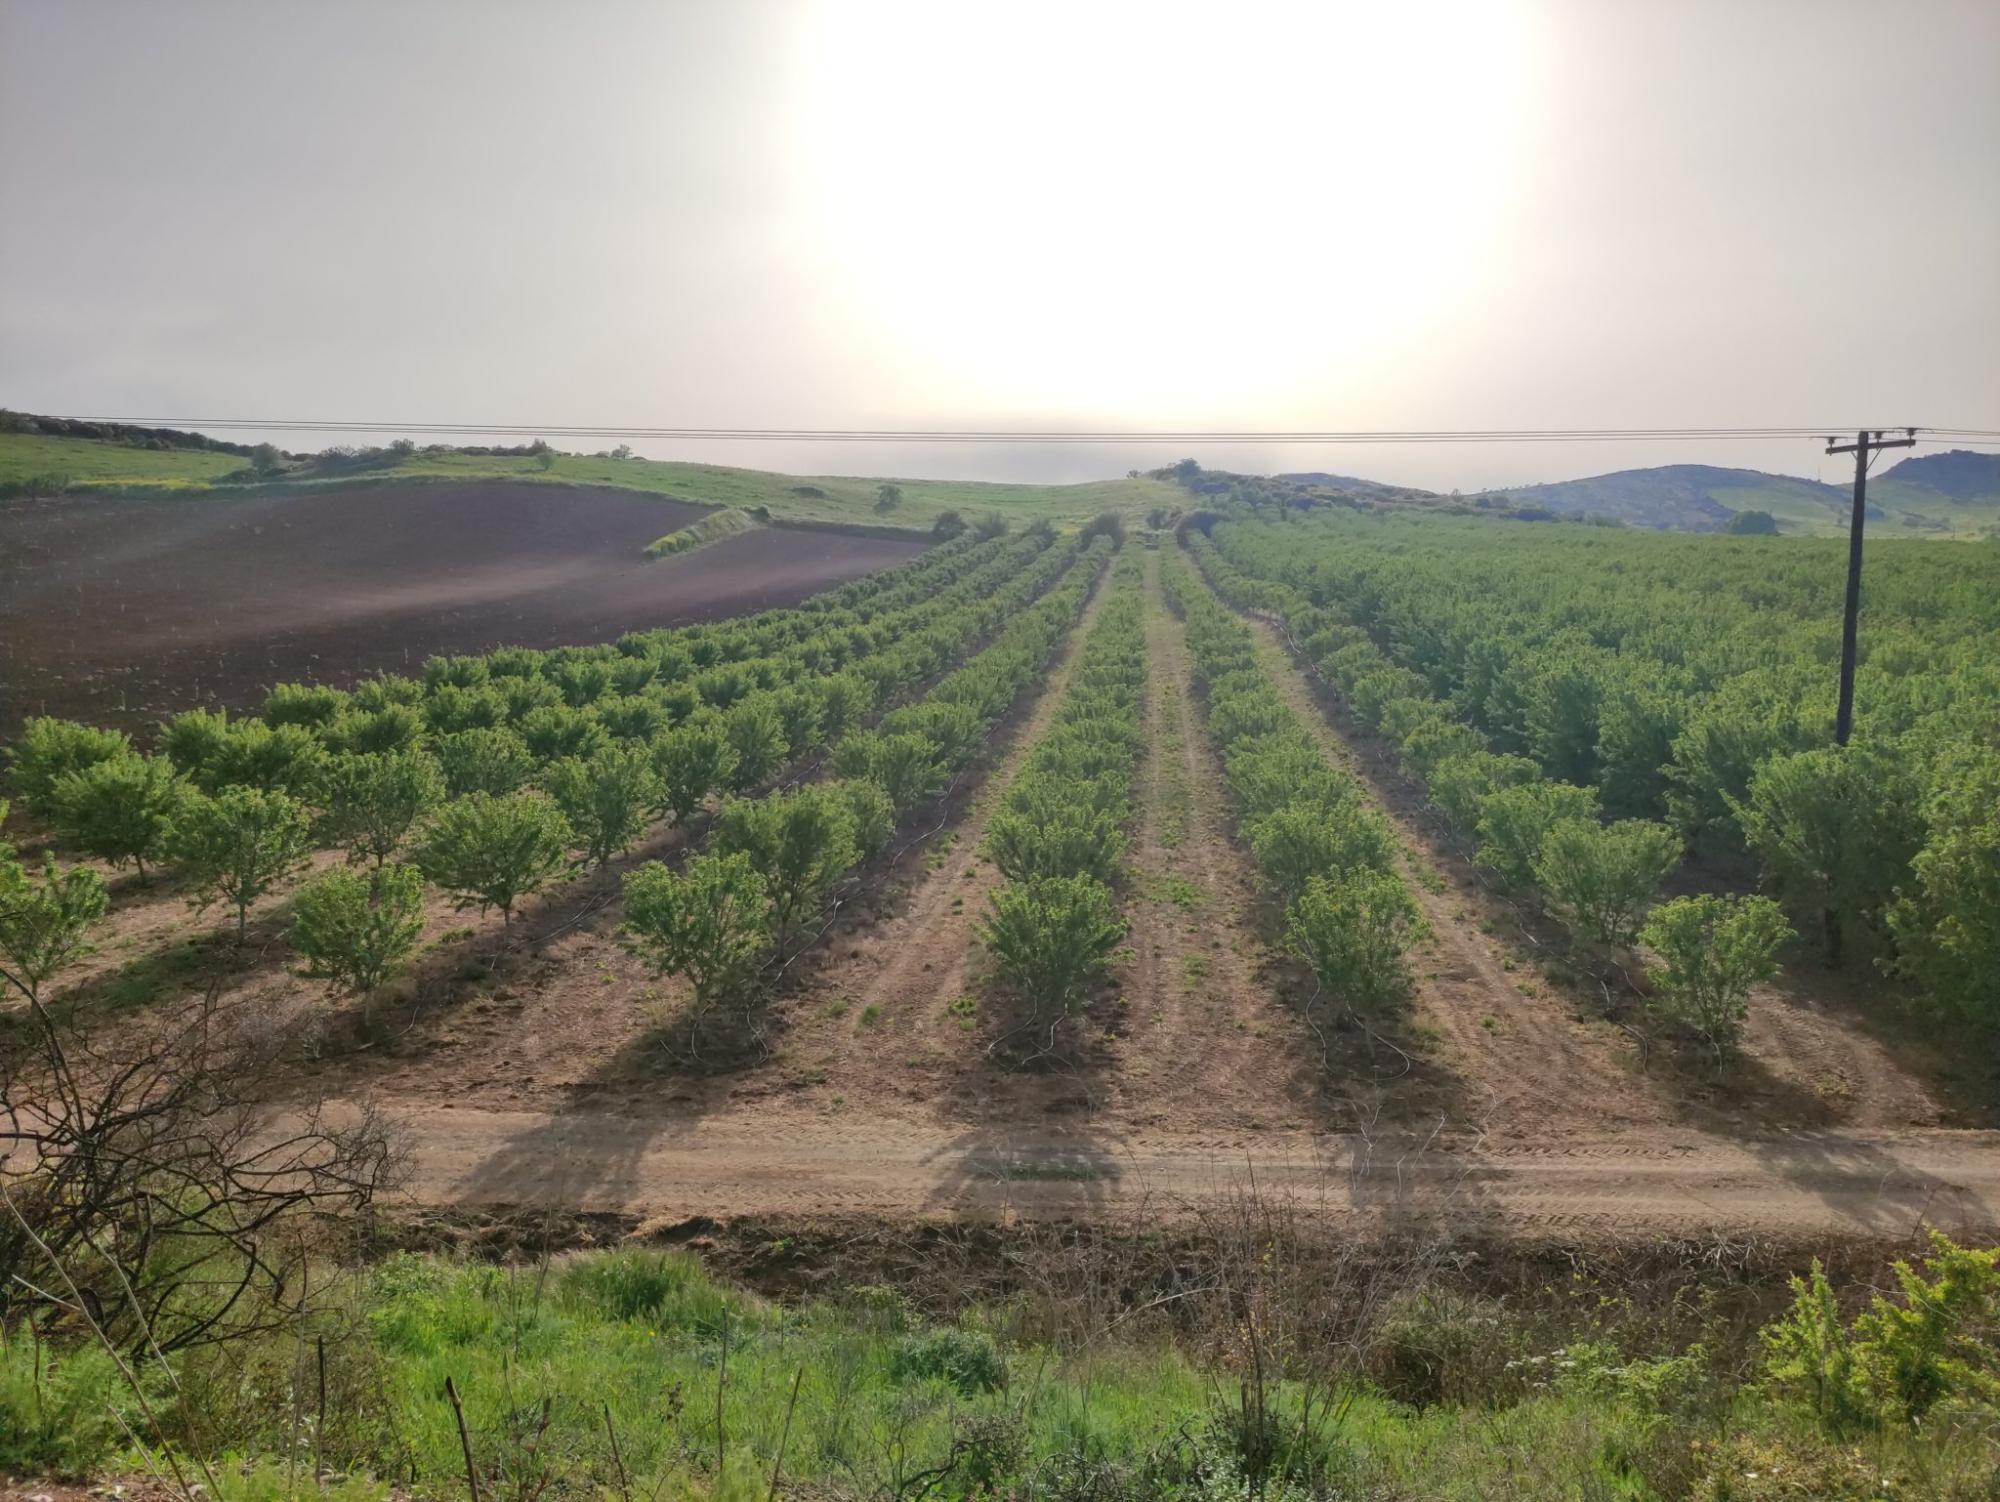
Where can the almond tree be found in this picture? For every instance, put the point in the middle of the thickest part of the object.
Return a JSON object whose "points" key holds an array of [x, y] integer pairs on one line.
{"points": [[239, 844]]}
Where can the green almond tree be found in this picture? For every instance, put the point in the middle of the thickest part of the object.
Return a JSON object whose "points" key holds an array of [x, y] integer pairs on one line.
{"points": [[491, 850], [355, 928], [707, 923], [45, 923], [240, 844], [606, 798], [120, 810]]}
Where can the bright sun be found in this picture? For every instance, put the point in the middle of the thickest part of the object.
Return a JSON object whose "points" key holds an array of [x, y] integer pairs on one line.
{"points": [[1110, 208]]}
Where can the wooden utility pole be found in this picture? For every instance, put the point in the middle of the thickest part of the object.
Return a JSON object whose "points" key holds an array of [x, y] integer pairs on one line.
{"points": [[1865, 444]]}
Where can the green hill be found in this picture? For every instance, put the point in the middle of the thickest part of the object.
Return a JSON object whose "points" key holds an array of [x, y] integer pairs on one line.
{"points": [[34, 461], [1910, 498]]}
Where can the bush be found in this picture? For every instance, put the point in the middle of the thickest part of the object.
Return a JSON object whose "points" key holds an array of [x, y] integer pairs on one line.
{"points": [[1514, 821], [967, 1359], [949, 524], [60, 1408], [45, 922], [706, 923], [606, 798], [1301, 841], [693, 761], [312, 705], [1600, 877], [119, 810], [374, 801], [800, 841], [484, 761]]}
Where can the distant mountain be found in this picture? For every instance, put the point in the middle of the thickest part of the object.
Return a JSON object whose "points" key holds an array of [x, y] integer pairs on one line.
{"points": [[1685, 497], [1955, 493], [1960, 474]]}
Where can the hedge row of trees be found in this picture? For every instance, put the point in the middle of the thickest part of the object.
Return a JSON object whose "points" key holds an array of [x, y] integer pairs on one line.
{"points": [[1323, 848], [492, 812], [1059, 835], [775, 860], [1540, 837]]}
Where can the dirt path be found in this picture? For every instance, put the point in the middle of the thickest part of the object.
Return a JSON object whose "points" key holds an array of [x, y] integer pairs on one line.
{"points": [[1527, 1068], [797, 1163], [1202, 1033]]}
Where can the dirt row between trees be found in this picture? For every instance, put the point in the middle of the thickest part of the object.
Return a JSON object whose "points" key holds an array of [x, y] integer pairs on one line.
{"points": [[1535, 1055]]}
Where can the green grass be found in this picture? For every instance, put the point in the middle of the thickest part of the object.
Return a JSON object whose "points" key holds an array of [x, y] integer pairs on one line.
{"points": [[86, 461], [808, 498], [711, 528], [1573, 1392]]}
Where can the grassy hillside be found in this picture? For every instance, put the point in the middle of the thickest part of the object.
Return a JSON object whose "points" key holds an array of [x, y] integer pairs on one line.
{"points": [[823, 498], [1703, 497], [88, 461]]}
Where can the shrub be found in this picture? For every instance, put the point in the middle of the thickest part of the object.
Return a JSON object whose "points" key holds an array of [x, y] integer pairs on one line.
{"points": [[874, 814], [966, 1359], [1300, 841], [1354, 930], [555, 731], [949, 524], [1068, 839], [45, 922], [484, 761], [1832, 829], [756, 735], [392, 726], [693, 761], [311, 705], [1514, 821], [800, 841], [373, 801], [355, 928], [274, 758]]}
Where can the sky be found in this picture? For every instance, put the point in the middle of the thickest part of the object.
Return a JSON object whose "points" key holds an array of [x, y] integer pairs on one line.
{"points": [[1081, 215]]}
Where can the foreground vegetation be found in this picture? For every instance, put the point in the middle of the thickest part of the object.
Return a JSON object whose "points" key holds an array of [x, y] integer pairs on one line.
{"points": [[1276, 1372]]}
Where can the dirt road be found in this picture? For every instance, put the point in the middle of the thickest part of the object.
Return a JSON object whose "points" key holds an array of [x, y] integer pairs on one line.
{"points": [[665, 1168]]}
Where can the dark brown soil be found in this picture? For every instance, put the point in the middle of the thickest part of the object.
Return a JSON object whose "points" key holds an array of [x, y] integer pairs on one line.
{"points": [[121, 611]]}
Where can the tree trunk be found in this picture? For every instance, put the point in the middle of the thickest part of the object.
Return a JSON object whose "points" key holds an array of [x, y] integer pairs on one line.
{"points": [[1833, 939]]}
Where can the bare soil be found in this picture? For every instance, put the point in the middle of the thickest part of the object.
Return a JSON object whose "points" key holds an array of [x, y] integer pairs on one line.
{"points": [[122, 611]]}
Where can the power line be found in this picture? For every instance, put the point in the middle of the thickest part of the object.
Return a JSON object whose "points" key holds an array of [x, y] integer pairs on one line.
{"points": [[1031, 436]]}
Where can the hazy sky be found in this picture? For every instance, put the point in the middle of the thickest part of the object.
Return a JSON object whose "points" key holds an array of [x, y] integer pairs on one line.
{"points": [[1391, 215]]}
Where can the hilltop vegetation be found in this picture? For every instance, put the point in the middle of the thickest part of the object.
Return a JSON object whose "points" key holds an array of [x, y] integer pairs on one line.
{"points": [[34, 460]]}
